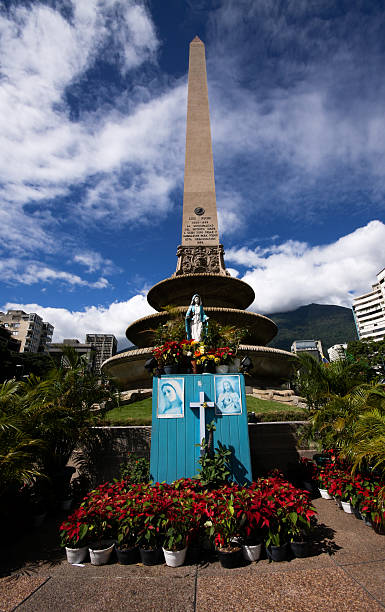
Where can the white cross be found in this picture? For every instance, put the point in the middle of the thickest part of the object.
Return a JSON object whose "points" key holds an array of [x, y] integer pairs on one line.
{"points": [[202, 404]]}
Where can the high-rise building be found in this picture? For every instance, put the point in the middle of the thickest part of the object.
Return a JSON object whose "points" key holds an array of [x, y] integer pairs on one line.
{"points": [[369, 311], [8, 341], [105, 346], [312, 347], [34, 334], [85, 350], [337, 352]]}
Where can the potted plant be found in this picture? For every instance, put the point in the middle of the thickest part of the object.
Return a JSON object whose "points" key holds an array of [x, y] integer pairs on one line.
{"points": [[323, 484], [225, 526], [178, 519], [99, 518], [223, 358], [277, 546], [298, 532], [126, 545], [253, 524], [175, 544], [73, 536], [149, 535], [168, 356]]}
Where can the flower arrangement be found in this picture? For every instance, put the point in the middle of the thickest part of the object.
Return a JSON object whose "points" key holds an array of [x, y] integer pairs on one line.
{"points": [[183, 352], [362, 490], [175, 514], [224, 355], [168, 354]]}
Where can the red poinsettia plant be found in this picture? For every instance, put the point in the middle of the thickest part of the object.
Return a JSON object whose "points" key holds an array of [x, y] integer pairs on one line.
{"points": [[74, 530], [224, 355], [168, 354]]}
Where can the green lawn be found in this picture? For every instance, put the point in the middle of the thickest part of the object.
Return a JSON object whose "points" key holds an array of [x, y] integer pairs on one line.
{"points": [[139, 413]]}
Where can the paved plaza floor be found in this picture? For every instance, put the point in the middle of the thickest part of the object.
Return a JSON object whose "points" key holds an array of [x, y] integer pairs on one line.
{"points": [[346, 572]]}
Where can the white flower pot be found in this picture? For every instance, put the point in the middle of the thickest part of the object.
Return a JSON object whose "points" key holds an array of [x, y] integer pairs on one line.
{"points": [[347, 507], [222, 369], [252, 553], [101, 556], [175, 558], [324, 494], [235, 366], [76, 555]]}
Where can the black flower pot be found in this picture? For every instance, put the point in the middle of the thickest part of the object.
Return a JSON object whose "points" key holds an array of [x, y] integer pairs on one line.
{"points": [[170, 369], [127, 556], [357, 513], [230, 558], [151, 556], [300, 549], [194, 553], [278, 553]]}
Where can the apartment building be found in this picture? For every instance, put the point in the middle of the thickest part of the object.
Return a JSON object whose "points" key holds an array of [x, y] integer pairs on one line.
{"points": [[105, 346], [34, 334], [85, 350], [337, 352], [369, 311], [312, 347]]}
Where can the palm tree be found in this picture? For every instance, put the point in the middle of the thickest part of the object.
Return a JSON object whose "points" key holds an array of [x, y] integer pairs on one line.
{"points": [[18, 449], [64, 407], [367, 446]]}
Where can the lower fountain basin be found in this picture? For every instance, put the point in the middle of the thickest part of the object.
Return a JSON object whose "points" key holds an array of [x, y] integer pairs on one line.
{"points": [[271, 367]]}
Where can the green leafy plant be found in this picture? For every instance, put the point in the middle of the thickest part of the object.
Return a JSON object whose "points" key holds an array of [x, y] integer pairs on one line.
{"points": [[214, 465], [135, 469]]}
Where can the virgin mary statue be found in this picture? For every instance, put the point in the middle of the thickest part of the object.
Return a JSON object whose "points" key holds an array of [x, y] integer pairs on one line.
{"points": [[196, 319]]}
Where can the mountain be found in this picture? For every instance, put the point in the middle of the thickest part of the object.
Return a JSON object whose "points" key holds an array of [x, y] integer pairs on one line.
{"points": [[330, 324]]}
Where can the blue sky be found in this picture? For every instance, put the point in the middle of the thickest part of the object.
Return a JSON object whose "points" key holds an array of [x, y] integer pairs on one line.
{"points": [[92, 115]]}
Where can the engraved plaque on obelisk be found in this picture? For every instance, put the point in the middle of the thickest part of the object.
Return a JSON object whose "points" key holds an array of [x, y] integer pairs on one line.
{"points": [[200, 250]]}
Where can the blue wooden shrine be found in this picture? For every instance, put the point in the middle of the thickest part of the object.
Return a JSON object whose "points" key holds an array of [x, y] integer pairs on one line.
{"points": [[182, 405]]}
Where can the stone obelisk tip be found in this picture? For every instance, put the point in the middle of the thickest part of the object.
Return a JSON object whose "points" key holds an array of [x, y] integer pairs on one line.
{"points": [[200, 251]]}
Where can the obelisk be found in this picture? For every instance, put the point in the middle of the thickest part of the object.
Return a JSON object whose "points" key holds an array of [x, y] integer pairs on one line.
{"points": [[200, 250]]}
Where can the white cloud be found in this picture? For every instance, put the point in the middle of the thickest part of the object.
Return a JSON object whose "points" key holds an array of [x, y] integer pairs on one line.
{"points": [[130, 158], [293, 274], [296, 97], [113, 319], [18, 271], [233, 272]]}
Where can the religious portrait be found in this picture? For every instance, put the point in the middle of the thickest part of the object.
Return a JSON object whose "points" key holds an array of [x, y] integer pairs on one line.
{"points": [[170, 398], [228, 399]]}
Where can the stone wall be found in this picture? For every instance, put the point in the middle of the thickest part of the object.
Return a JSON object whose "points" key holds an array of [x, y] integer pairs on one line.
{"points": [[272, 445]]}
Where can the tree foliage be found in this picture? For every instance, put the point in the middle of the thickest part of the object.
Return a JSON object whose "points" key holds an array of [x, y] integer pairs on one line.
{"points": [[42, 421]]}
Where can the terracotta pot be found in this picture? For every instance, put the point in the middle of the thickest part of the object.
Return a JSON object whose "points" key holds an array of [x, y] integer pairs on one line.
{"points": [[194, 366]]}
